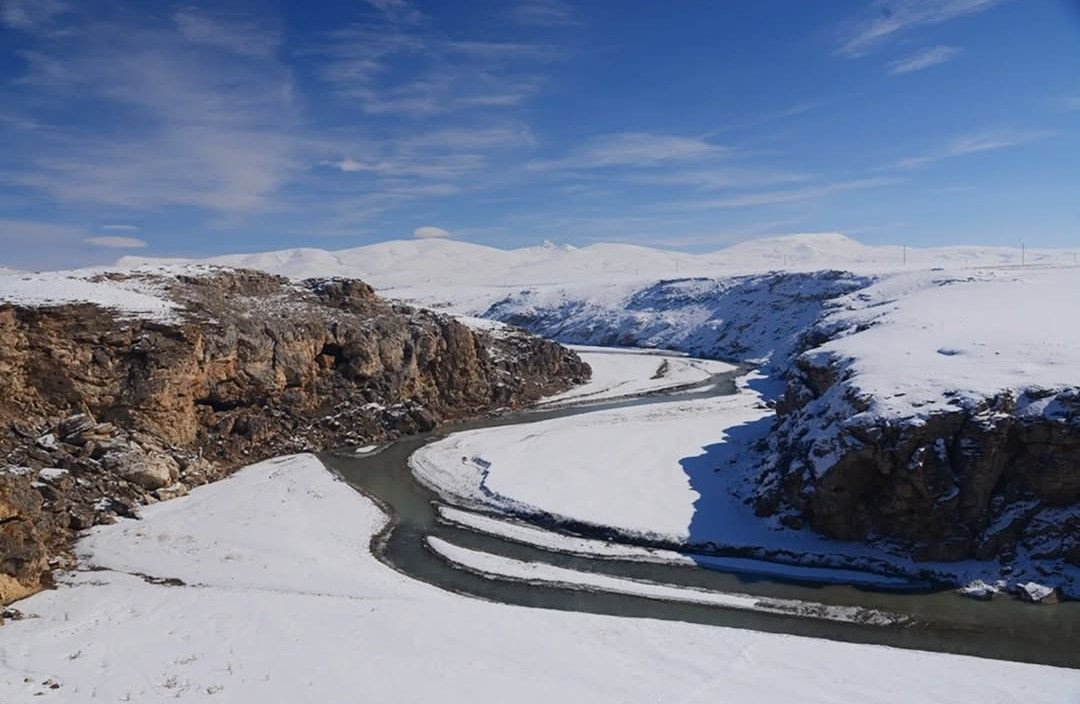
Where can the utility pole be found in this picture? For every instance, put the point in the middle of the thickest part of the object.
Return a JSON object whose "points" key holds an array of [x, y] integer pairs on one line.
{"points": [[1023, 254], [905, 255]]}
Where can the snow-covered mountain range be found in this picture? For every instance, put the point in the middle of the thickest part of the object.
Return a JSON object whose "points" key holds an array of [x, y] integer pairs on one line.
{"points": [[471, 276]]}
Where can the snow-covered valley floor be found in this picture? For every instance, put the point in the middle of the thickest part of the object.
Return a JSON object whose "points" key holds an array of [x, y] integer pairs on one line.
{"points": [[670, 473], [619, 372], [282, 601], [629, 456]]}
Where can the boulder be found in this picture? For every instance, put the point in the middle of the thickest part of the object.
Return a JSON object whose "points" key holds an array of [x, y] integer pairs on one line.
{"points": [[148, 470], [1038, 593], [23, 552]]}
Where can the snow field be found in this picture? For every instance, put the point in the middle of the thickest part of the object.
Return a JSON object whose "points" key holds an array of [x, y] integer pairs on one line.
{"points": [[283, 602]]}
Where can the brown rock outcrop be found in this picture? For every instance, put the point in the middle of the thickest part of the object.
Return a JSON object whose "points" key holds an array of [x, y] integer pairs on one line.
{"points": [[137, 410], [987, 482]]}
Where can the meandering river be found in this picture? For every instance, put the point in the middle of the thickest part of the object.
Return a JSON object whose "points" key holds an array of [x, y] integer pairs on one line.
{"points": [[939, 619]]}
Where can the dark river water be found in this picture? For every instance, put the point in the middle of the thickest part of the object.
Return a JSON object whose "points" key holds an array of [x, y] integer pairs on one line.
{"points": [[940, 620]]}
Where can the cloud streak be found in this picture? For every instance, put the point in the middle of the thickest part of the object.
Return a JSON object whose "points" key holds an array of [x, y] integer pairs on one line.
{"points": [[542, 13], [28, 15], [397, 64], [206, 129], [633, 149], [921, 60], [430, 232], [890, 18], [791, 195], [116, 242], [972, 144]]}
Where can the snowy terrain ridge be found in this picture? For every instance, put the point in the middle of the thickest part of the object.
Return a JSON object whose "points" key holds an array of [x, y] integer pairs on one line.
{"points": [[745, 318], [470, 277]]}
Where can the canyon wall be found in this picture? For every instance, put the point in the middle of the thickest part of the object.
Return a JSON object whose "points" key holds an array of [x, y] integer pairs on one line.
{"points": [[101, 412]]}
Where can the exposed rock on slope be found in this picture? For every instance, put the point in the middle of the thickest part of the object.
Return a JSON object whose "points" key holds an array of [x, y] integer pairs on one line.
{"points": [[996, 479], [934, 415], [103, 410], [755, 317], [941, 415]]}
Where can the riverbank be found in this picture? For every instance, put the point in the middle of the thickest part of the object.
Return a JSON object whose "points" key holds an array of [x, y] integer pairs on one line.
{"points": [[261, 588], [676, 474]]}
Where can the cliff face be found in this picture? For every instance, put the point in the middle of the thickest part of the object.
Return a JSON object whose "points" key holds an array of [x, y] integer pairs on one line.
{"points": [[102, 412], [999, 479]]}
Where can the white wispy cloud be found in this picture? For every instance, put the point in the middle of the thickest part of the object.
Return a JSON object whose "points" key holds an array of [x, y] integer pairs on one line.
{"points": [[719, 177], [419, 164], [27, 15], [924, 59], [207, 129], [633, 149], [542, 13], [236, 35], [204, 111], [400, 11], [395, 65], [791, 195], [972, 144], [430, 232], [508, 135], [888, 18], [34, 231], [430, 166], [116, 242], [130, 228]]}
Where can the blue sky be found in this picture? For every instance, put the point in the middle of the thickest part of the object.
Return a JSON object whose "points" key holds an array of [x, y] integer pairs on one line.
{"points": [[196, 129]]}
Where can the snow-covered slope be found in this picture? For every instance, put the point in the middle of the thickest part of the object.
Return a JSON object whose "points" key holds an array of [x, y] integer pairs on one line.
{"points": [[620, 468], [914, 344], [746, 318], [261, 588], [131, 295], [625, 372]]}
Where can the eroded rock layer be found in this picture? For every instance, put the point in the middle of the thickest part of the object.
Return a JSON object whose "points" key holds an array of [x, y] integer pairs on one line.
{"points": [[996, 479], [100, 413]]}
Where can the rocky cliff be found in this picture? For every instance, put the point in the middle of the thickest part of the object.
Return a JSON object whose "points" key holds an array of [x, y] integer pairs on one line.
{"points": [[102, 411], [995, 479]]}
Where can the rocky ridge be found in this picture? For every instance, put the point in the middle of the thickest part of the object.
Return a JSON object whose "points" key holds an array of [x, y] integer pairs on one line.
{"points": [[104, 411], [998, 479]]}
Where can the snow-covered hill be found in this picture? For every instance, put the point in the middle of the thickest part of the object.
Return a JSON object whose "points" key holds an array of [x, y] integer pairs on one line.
{"points": [[469, 277], [745, 318]]}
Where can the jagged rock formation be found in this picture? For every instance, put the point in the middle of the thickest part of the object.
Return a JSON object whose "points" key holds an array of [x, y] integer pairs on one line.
{"points": [[998, 479], [101, 412]]}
